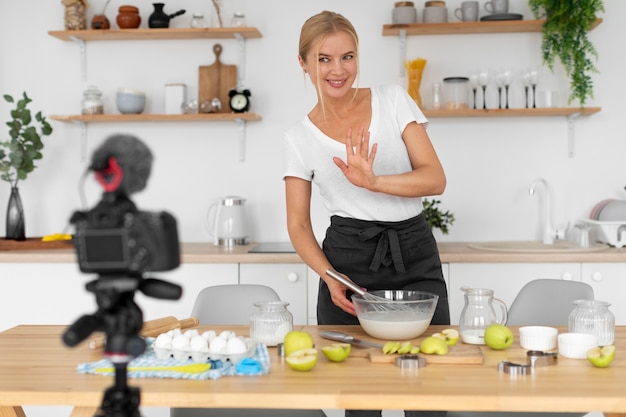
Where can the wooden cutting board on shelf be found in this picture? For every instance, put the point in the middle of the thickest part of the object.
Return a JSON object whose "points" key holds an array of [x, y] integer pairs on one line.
{"points": [[216, 80], [457, 354]]}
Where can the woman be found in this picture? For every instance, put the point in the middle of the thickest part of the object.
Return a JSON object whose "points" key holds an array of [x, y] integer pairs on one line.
{"points": [[378, 236]]}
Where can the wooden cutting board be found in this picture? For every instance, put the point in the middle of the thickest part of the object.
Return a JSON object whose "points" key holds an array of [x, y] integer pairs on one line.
{"points": [[457, 354], [216, 80]]}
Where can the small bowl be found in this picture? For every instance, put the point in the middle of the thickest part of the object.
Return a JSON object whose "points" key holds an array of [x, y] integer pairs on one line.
{"points": [[406, 314], [576, 345], [538, 337], [130, 101]]}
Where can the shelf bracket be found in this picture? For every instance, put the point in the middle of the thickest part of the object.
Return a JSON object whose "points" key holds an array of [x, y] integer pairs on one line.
{"points": [[242, 139], [402, 52], [83, 57], [571, 124], [83, 139], [242, 59]]}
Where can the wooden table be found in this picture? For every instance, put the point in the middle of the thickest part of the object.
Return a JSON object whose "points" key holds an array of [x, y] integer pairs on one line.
{"points": [[37, 369]]}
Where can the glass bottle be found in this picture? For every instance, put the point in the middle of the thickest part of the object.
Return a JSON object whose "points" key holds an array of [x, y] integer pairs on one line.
{"points": [[197, 21], [270, 322], [238, 20], [593, 317], [92, 101], [436, 104]]}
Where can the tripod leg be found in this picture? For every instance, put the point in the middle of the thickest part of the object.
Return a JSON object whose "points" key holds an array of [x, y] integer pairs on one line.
{"points": [[120, 400]]}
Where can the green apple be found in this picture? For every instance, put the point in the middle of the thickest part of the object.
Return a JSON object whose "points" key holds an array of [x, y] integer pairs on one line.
{"points": [[498, 336], [295, 340], [450, 336], [434, 345], [405, 347], [302, 360], [337, 352], [391, 347], [601, 356], [415, 350]]}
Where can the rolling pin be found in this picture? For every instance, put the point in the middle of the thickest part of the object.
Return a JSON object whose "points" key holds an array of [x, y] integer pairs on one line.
{"points": [[152, 328]]}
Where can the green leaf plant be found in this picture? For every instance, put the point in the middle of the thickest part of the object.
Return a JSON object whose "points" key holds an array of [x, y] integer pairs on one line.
{"points": [[565, 36], [435, 217], [19, 152]]}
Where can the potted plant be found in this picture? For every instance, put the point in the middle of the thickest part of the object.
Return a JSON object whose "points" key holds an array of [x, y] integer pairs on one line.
{"points": [[435, 218], [17, 156], [565, 36]]}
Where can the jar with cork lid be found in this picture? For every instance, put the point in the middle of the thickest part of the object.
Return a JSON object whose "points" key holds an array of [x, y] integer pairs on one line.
{"points": [[403, 13]]}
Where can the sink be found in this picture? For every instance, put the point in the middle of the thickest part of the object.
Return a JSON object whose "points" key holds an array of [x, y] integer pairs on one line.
{"points": [[533, 246]]}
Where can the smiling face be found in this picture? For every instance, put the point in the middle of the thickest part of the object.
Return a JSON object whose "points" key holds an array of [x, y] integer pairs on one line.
{"points": [[332, 64]]}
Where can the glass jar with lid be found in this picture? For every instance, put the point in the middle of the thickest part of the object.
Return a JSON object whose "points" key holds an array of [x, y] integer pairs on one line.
{"points": [[92, 101], [238, 20], [455, 93], [270, 322], [593, 317], [197, 21]]}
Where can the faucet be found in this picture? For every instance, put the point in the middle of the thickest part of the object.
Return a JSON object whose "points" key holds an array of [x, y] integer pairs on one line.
{"points": [[548, 233]]}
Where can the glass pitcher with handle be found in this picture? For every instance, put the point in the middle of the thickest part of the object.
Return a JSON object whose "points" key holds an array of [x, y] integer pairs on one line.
{"points": [[478, 313]]}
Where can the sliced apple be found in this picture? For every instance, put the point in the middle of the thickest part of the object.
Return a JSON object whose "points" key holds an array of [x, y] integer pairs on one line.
{"points": [[302, 360], [405, 347], [434, 345], [450, 336], [337, 352], [601, 356], [391, 347]]}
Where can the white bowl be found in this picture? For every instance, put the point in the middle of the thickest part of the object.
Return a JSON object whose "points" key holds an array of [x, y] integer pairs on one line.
{"points": [[576, 345], [130, 101], [538, 337]]}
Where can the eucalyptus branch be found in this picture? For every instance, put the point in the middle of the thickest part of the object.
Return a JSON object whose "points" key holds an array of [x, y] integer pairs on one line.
{"points": [[218, 10]]}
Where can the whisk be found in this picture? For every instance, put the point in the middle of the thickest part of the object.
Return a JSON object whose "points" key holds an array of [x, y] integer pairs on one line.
{"points": [[379, 303]]}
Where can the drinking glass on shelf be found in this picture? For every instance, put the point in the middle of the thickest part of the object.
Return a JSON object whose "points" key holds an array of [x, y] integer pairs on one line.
{"points": [[473, 77], [499, 86], [533, 75], [506, 78], [483, 80], [526, 84]]}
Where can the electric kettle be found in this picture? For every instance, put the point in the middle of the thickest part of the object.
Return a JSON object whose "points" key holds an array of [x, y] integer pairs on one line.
{"points": [[226, 221]]}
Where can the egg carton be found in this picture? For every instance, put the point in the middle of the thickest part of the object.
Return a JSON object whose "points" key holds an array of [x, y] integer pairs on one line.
{"points": [[205, 356], [612, 233]]}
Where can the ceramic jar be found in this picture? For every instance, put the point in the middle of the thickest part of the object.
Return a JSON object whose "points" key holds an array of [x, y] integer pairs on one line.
{"points": [[403, 13], [435, 12], [128, 17]]}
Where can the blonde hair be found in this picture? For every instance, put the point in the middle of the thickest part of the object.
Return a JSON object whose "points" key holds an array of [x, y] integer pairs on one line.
{"points": [[318, 27]]}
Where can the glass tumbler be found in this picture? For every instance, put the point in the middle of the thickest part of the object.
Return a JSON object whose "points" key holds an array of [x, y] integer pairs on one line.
{"points": [[593, 317], [270, 322]]}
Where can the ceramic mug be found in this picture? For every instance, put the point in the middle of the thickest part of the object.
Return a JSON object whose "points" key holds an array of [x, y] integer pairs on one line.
{"points": [[468, 12], [497, 6]]}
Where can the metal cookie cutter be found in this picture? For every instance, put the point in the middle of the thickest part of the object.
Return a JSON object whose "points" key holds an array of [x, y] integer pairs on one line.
{"points": [[512, 368], [538, 358], [410, 361]]}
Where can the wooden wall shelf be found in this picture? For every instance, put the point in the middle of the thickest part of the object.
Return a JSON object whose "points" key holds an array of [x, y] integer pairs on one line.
{"points": [[156, 34], [120, 118], [552, 111], [460, 28]]}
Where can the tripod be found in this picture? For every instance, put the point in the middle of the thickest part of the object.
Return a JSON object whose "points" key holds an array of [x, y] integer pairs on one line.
{"points": [[121, 319]]}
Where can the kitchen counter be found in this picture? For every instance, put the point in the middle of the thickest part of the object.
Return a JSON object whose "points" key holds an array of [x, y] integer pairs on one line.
{"points": [[450, 252]]}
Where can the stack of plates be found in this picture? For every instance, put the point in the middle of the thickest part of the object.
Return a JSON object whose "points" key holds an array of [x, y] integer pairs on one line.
{"points": [[609, 210]]}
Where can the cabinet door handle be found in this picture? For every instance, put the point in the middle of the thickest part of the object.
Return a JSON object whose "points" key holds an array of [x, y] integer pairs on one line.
{"points": [[567, 276], [596, 276], [292, 277]]}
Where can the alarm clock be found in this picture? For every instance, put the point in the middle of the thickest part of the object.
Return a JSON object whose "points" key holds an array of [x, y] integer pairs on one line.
{"points": [[239, 101]]}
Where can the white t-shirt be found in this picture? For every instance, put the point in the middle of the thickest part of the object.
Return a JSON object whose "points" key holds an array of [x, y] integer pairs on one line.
{"points": [[308, 154]]}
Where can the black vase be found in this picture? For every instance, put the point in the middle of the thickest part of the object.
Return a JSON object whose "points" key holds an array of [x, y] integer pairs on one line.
{"points": [[15, 217]]}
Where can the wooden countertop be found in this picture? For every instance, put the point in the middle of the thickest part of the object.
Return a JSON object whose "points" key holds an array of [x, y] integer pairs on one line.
{"points": [[450, 252]]}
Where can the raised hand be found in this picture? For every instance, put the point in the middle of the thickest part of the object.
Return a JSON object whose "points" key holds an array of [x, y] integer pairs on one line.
{"points": [[358, 167]]}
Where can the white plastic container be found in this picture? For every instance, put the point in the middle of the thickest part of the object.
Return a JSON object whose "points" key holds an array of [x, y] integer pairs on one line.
{"points": [[175, 96]]}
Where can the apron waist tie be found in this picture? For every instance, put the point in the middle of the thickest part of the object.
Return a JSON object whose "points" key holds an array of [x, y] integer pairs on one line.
{"points": [[387, 250]]}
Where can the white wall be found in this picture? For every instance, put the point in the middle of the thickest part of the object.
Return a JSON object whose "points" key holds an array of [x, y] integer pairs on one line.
{"points": [[490, 162]]}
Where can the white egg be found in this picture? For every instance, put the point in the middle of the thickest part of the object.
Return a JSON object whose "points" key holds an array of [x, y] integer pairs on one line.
{"points": [[227, 334], [163, 341], [209, 335], [191, 333], [217, 345], [236, 345], [180, 342], [174, 332], [198, 344]]}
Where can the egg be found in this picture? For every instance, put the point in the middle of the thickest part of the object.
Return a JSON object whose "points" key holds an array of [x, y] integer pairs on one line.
{"points": [[163, 341], [209, 335], [180, 342], [227, 334], [198, 344], [236, 345], [191, 333], [217, 345]]}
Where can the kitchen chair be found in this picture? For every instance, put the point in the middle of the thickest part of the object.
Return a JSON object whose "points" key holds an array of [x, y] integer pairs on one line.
{"points": [[541, 302], [233, 305]]}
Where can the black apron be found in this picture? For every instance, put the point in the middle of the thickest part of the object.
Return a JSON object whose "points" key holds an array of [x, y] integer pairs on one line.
{"points": [[382, 256]]}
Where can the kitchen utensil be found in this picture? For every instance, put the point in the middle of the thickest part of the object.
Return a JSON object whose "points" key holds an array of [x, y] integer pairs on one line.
{"points": [[192, 368], [216, 80], [226, 221], [378, 303], [346, 338], [160, 19], [478, 313]]}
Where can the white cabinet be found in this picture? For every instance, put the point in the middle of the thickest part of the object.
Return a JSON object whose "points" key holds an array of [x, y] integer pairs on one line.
{"points": [[506, 279], [609, 284], [288, 280]]}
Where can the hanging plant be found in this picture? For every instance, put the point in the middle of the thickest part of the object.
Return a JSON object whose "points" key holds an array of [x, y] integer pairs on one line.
{"points": [[565, 37]]}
